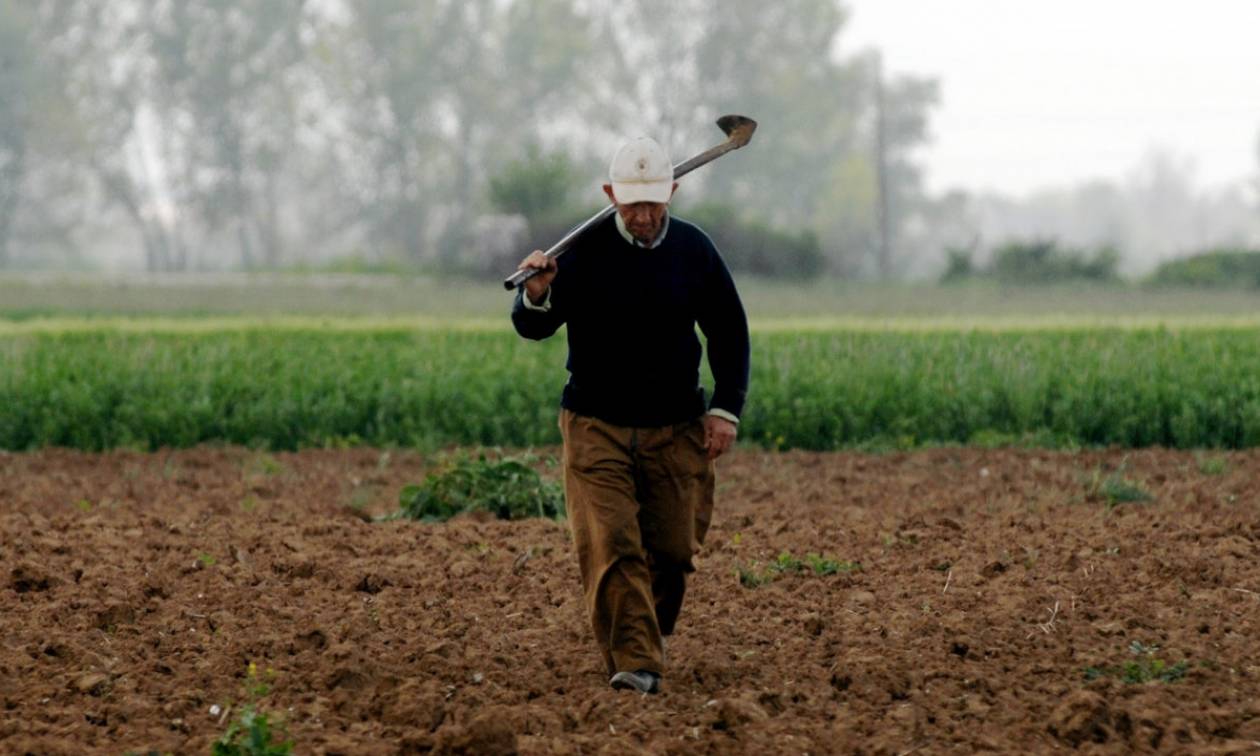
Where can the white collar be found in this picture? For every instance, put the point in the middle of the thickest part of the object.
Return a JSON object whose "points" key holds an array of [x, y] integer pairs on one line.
{"points": [[625, 233]]}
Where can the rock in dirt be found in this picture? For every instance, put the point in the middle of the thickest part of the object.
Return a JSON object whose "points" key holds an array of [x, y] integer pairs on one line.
{"points": [[1235, 546], [415, 704], [873, 679], [463, 568], [993, 569], [92, 684], [372, 583], [909, 719], [490, 733], [1109, 629], [730, 713], [862, 598], [1085, 717], [27, 578]]}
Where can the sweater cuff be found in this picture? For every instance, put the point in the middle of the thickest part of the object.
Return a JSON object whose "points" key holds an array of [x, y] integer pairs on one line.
{"points": [[544, 307], [723, 414]]}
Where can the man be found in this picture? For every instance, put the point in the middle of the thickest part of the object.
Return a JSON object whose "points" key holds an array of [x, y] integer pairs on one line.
{"points": [[639, 443]]}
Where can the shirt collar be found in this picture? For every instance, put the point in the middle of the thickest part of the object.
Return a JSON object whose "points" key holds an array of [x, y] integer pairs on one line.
{"points": [[629, 237]]}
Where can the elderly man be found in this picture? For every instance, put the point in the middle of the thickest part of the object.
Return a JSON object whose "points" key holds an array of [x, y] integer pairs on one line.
{"points": [[639, 441]]}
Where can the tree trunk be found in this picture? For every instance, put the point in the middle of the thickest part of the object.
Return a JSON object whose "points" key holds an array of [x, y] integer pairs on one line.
{"points": [[10, 194], [269, 223], [455, 235], [884, 251]]}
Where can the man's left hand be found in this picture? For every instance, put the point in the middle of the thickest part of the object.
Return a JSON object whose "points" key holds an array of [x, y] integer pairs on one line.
{"points": [[719, 435]]}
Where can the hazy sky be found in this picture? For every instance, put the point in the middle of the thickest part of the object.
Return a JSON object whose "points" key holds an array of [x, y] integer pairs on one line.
{"points": [[1050, 92]]}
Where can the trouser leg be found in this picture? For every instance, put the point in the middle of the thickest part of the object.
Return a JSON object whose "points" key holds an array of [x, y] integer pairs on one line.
{"points": [[603, 514], [676, 507]]}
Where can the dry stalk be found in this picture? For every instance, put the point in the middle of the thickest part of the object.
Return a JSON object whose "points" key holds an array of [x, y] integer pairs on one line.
{"points": [[1048, 626], [948, 578]]}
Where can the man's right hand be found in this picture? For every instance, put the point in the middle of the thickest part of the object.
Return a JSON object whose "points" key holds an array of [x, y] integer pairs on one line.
{"points": [[536, 287]]}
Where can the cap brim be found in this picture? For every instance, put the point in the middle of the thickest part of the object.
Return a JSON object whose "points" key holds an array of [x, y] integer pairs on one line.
{"points": [[628, 193]]}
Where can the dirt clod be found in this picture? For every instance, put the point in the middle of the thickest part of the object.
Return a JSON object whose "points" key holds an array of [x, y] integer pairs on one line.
{"points": [[731, 713]]}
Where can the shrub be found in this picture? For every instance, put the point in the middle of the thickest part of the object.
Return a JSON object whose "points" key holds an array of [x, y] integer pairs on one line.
{"points": [[1044, 262], [958, 265], [752, 246], [538, 187], [508, 488], [1034, 262], [1214, 269]]}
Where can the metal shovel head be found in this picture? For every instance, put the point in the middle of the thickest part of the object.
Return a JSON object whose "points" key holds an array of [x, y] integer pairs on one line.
{"points": [[738, 128]]}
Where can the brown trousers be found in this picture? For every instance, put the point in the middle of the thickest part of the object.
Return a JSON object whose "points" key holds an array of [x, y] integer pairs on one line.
{"points": [[639, 502]]}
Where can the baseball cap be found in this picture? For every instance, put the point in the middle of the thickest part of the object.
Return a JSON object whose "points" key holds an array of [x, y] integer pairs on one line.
{"points": [[641, 172]]}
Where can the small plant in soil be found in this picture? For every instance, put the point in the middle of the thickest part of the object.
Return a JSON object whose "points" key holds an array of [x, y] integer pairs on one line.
{"points": [[1145, 667], [1213, 465], [253, 733], [508, 488], [265, 464], [753, 576], [1115, 489]]}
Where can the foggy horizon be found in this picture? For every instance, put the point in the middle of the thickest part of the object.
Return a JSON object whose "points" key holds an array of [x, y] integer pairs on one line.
{"points": [[441, 135]]}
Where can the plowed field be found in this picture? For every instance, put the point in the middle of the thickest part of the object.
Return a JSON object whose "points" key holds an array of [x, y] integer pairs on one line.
{"points": [[1006, 601]]}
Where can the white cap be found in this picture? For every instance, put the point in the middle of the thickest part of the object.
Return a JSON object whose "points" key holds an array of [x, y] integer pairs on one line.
{"points": [[641, 172]]}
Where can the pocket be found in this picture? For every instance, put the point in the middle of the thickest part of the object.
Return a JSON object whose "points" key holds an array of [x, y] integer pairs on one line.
{"points": [[589, 444]]}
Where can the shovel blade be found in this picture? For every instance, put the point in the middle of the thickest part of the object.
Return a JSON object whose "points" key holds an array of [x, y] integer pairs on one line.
{"points": [[739, 129]]}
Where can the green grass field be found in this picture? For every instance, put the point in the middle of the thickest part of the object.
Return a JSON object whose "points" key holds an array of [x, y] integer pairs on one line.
{"points": [[286, 361], [294, 383]]}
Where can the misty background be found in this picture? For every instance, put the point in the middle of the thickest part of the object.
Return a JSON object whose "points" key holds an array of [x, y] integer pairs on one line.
{"points": [[445, 135]]}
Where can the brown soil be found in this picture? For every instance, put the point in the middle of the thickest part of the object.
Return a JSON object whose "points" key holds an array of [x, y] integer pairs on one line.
{"points": [[137, 588]]}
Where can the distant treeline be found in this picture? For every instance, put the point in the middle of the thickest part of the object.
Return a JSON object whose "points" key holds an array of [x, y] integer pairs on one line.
{"points": [[1043, 261], [1215, 269], [254, 134]]}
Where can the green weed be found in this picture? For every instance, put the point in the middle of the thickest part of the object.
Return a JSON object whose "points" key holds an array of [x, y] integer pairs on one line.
{"points": [[1114, 489], [508, 488], [1145, 668], [755, 576], [254, 733], [1213, 465]]}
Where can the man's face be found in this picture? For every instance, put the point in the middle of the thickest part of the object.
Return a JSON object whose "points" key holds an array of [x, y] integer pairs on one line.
{"points": [[643, 220]]}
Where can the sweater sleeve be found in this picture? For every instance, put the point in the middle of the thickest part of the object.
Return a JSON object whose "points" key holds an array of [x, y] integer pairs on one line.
{"points": [[725, 327], [537, 323]]}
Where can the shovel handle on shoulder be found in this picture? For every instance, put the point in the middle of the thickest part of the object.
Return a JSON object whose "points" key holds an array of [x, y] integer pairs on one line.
{"points": [[738, 129]]}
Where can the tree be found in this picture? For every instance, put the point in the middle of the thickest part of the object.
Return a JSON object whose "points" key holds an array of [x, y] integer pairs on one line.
{"points": [[441, 95], [672, 65], [218, 83], [94, 51], [16, 83]]}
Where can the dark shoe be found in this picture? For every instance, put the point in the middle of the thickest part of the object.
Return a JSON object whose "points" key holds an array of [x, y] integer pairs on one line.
{"points": [[643, 681]]}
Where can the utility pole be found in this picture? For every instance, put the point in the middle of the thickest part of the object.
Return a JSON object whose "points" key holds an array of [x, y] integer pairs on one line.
{"points": [[884, 246]]}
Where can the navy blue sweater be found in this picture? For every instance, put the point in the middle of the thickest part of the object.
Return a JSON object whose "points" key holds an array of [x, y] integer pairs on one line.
{"points": [[634, 357]]}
